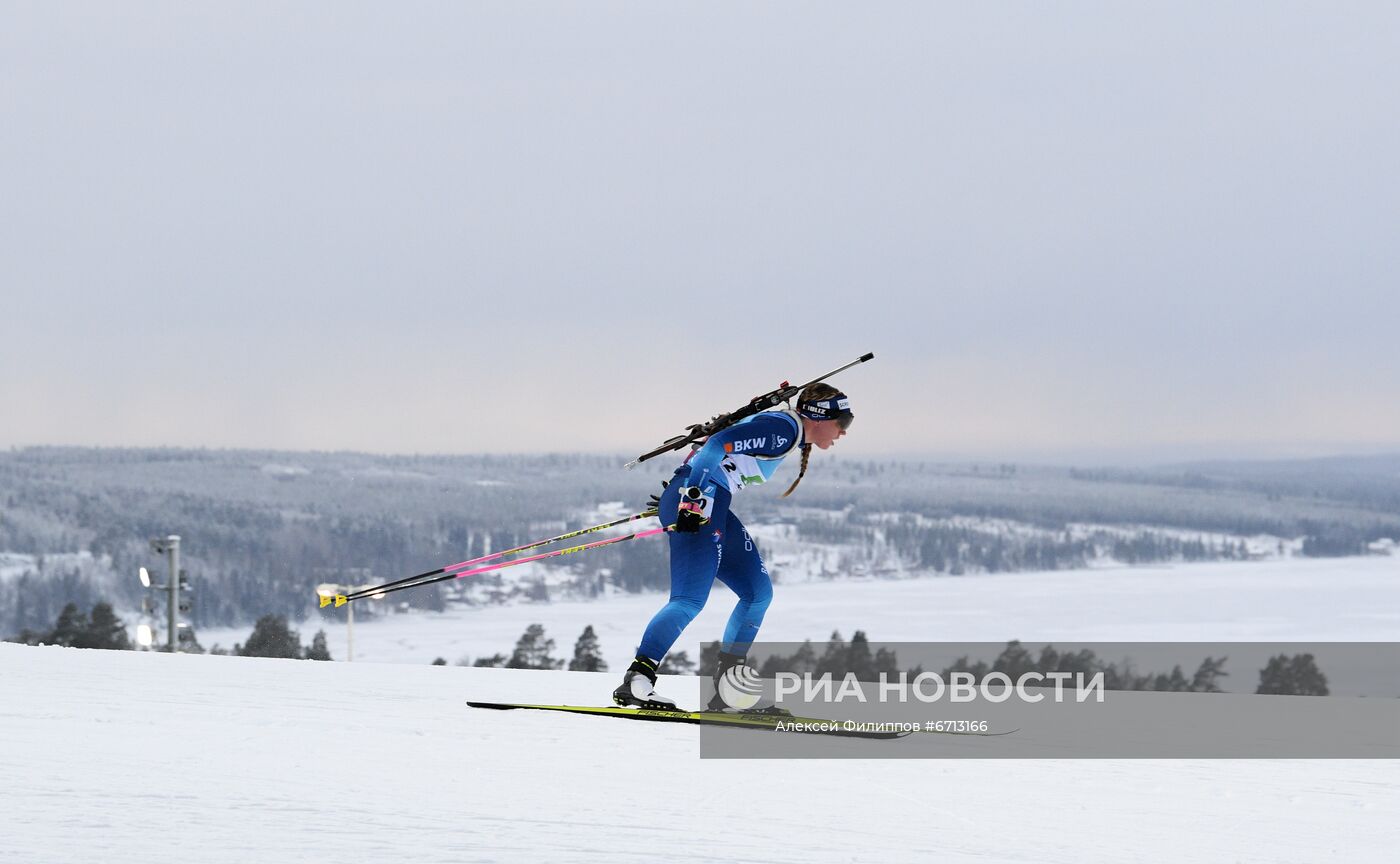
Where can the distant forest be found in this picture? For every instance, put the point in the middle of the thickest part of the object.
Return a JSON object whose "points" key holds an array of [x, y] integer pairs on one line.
{"points": [[261, 529]]}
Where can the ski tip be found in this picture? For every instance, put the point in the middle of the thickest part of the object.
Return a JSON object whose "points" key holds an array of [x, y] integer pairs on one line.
{"points": [[341, 600], [325, 601]]}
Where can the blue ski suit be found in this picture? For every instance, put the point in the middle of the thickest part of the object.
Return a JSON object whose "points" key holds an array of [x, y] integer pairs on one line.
{"points": [[745, 454]]}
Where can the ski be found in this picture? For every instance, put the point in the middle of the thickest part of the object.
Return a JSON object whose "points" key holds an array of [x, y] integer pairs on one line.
{"points": [[760, 722]]}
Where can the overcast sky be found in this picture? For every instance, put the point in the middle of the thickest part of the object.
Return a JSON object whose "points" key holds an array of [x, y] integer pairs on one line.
{"points": [[1066, 230]]}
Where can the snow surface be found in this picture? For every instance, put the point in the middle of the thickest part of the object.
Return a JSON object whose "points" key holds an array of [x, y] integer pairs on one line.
{"points": [[125, 756]]}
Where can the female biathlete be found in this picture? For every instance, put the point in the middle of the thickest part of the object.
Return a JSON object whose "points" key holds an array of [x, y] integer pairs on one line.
{"points": [[708, 541]]}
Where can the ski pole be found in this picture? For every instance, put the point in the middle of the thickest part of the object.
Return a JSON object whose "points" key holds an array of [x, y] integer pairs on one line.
{"points": [[342, 599], [379, 589]]}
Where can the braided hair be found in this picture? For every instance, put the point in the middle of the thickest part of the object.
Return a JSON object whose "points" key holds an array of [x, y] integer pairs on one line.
{"points": [[806, 454], [814, 392]]}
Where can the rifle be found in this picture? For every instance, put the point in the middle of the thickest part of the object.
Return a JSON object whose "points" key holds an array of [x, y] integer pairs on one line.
{"points": [[771, 399]]}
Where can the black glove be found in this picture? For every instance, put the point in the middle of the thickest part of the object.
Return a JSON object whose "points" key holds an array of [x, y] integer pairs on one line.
{"points": [[654, 502], [689, 522], [694, 510]]}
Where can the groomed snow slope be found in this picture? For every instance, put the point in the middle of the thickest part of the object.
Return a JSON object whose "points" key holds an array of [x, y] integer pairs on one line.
{"points": [[121, 756]]}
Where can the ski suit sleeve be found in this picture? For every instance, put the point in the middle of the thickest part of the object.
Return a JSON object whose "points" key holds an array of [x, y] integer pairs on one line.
{"points": [[769, 434]]}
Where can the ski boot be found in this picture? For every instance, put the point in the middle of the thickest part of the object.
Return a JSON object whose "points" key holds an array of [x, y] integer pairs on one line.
{"points": [[638, 688], [737, 682]]}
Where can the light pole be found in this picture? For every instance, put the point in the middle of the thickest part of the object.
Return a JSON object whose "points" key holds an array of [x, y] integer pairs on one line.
{"points": [[169, 546], [172, 553], [349, 633]]}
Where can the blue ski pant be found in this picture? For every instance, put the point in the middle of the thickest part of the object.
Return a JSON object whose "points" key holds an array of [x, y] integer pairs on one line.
{"points": [[722, 550]]}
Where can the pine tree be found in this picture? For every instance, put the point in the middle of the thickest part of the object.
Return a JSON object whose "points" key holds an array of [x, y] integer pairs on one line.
{"points": [[533, 651], [858, 660], [676, 663], [803, 662], [1204, 679], [587, 656], [833, 660], [29, 637], [709, 659], [1292, 676], [271, 637], [1015, 660], [318, 649], [886, 664], [106, 630], [964, 664], [1172, 683], [71, 627], [495, 661]]}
